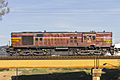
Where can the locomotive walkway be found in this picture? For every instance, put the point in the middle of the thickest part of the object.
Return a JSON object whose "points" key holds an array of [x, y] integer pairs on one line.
{"points": [[60, 62]]}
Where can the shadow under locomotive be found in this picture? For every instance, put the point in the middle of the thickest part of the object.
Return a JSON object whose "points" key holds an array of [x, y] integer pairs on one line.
{"points": [[55, 76], [110, 74]]}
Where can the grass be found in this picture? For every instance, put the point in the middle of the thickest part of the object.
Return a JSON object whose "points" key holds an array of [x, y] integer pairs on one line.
{"points": [[72, 69], [4, 69], [30, 71]]}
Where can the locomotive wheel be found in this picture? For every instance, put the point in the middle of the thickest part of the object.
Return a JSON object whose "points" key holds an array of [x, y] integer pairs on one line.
{"points": [[75, 53], [112, 52], [10, 54]]}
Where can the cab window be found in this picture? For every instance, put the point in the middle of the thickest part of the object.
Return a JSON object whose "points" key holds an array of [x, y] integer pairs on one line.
{"points": [[90, 38], [87, 37], [84, 37], [93, 37]]}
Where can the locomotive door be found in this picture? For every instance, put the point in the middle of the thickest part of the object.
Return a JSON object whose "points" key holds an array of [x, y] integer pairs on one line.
{"points": [[89, 39]]}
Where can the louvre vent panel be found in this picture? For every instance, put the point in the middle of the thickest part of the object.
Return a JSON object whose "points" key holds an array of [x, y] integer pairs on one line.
{"points": [[27, 40]]}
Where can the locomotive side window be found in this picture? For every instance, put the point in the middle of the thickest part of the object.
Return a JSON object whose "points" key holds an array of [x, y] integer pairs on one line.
{"points": [[75, 37], [40, 39], [36, 39], [71, 37]]}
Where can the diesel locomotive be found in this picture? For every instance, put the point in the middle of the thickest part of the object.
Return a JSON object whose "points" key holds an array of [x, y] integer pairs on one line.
{"points": [[60, 43]]}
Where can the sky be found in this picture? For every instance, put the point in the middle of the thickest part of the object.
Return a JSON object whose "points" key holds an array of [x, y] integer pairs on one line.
{"points": [[61, 15]]}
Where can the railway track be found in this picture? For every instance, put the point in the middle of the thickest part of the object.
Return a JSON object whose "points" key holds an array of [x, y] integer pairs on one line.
{"points": [[56, 57]]}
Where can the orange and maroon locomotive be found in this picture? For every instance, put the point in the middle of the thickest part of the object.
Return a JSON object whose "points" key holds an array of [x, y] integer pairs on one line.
{"points": [[60, 43]]}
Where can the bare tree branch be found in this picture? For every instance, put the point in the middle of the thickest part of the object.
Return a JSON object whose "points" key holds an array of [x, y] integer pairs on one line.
{"points": [[3, 8]]}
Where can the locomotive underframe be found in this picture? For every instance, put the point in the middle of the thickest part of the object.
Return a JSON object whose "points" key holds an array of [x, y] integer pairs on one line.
{"points": [[59, 50]]}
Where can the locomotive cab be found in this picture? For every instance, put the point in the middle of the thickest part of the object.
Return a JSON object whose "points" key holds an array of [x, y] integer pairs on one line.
{"points": [[89, 39]]}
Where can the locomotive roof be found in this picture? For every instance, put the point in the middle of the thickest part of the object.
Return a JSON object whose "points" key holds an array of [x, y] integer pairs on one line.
{"points": [[62, 32]]}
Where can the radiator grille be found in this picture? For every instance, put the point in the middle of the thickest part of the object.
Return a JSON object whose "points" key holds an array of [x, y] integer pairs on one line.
{"points": [[27, 40]]}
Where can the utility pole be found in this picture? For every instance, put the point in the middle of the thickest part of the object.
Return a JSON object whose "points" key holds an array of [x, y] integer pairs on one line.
{"points": [[3, 8]]}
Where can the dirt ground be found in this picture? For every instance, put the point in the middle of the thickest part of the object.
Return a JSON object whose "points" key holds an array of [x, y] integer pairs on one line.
{"points": [[6, 75]]}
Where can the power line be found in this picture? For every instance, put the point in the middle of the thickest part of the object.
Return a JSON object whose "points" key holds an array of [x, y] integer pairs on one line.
{"points": [[65, 13]]}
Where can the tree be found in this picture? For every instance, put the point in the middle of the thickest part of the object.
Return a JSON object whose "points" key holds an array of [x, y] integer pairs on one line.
{"points": [[3, 8]]}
